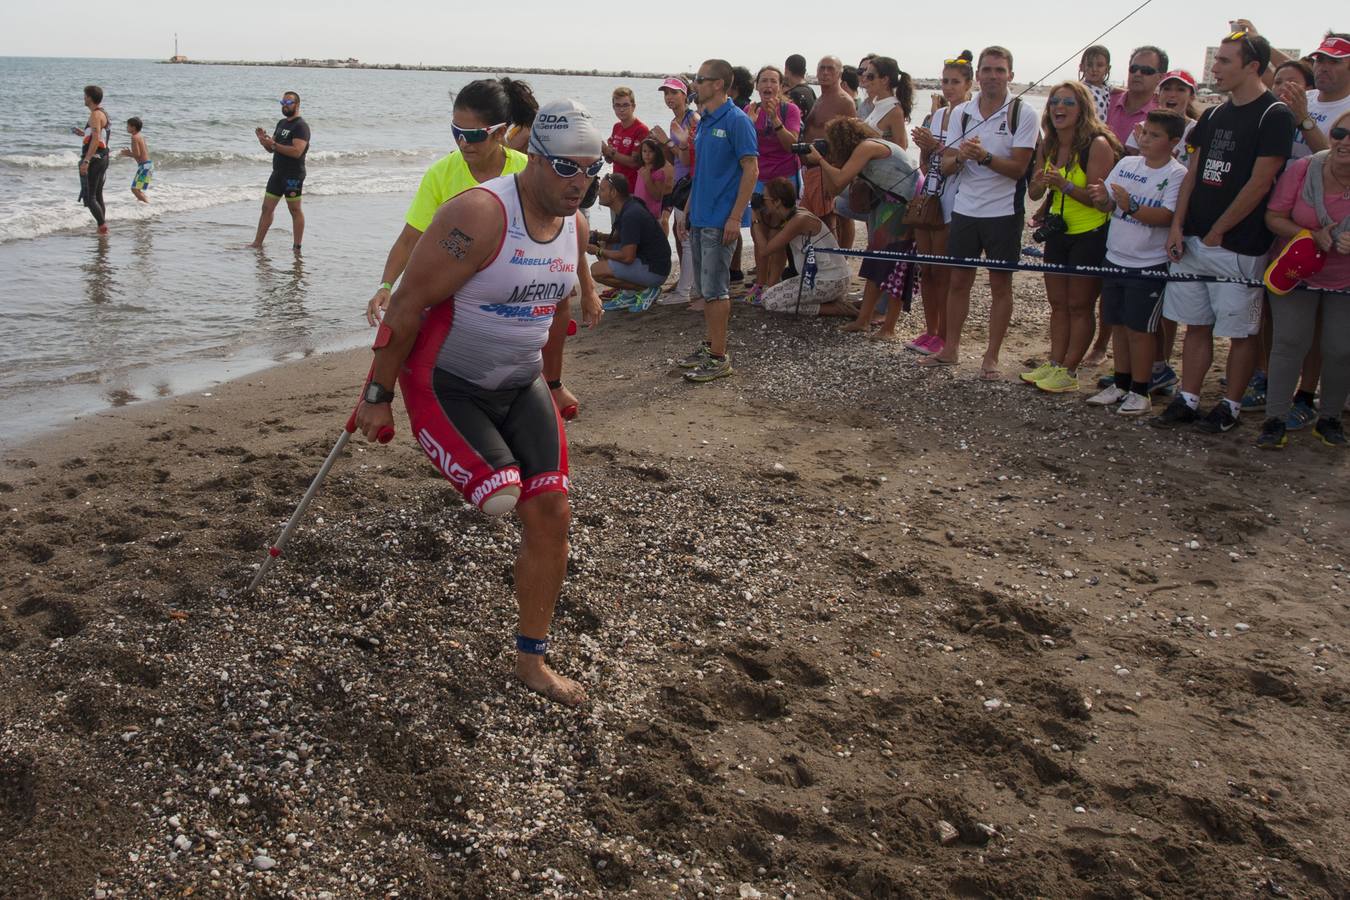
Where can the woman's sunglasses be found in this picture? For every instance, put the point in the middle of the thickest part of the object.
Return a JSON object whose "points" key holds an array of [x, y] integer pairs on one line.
{"points": [[1057, 101], [474, 135], [1339, 134]]}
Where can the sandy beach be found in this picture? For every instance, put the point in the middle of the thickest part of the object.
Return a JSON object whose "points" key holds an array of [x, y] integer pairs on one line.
{"points": [[850, 628]]}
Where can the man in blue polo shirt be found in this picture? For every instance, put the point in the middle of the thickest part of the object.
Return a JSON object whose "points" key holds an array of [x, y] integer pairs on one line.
{"points": [[726, 166]]}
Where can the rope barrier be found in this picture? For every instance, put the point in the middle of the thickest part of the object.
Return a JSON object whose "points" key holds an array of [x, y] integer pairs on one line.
{"points": [[1053, 268]]}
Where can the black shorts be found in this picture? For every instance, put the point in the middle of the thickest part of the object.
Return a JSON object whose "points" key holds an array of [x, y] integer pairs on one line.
{"points": [[288, 186], [998, 237], [1087, 248], [1135, 303]]}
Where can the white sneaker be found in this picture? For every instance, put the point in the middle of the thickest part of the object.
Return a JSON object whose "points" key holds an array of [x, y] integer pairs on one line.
{"points": [[1135, 405], [672, 298], [1108, 397]]}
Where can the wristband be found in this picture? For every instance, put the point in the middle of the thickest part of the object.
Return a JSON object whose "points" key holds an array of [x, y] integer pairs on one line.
{"points": [[386, 286]]}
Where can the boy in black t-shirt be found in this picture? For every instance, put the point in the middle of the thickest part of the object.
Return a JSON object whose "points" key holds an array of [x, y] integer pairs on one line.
{"points": [[1220, 229], [288, 144]]}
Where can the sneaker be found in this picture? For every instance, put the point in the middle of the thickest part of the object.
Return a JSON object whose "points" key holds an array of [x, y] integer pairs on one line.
{"points": [[643, 300], [621, 300], [673, 298], [1301, 415], [1106, 381], [710, 369], [1038, 373], [1272, 436], [697, 358], [1135, 405], [1059, 381], [1160, 382], [1217, 420], [920, 344], [1255, 395], [1177, 413], [935, 345], [754, 295], [1109, 397], [1330, 432]]}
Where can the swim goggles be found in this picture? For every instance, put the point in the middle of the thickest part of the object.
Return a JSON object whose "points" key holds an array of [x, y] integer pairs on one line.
{"points": [[566, 168], [474, 135]]}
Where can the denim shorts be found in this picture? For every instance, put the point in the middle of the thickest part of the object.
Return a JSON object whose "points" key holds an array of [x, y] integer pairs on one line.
{"points": [[636, 272], [712, 263]]}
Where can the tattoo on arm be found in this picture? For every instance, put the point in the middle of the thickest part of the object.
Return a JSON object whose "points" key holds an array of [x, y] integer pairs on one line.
{"points": [[457, 244]]}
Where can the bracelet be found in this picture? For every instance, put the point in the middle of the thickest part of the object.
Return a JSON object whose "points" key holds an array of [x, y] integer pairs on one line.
{"points": [[386, 286]]}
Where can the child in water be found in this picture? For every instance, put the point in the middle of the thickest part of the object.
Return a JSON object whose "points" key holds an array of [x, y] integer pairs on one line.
{"points": [[140, 182]]}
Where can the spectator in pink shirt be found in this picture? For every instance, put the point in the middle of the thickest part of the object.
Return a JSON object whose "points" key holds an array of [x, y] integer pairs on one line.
{"points": [[1130, 107], [777, 124]]}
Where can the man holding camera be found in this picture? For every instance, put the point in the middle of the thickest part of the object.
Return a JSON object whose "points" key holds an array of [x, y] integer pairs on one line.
{"points": [[727, 150], [1219, 230], [994, 141]]}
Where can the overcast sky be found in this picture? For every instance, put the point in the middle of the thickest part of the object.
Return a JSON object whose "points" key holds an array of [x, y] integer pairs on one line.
{"points": [[641, 37]]}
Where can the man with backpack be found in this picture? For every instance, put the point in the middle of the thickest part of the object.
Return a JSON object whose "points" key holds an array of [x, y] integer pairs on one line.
{"points": [[994, 145]]}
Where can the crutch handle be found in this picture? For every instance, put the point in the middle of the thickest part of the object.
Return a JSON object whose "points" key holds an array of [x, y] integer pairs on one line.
{"points": [[385, 435]]}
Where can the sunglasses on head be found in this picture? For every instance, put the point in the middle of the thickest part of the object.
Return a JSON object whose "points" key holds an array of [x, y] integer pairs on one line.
{"points": [[566, 168], [474, 135], [1339, 133], [959, 61], [1064, 101], [1242, 36], [1137, 69]]}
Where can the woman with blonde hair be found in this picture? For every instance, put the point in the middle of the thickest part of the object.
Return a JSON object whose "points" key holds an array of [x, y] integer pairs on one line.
{"points": [[1078, 150]]}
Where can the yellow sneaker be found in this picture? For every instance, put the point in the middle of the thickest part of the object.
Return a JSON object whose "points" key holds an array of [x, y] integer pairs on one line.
{"points": [[1037, 373], [1059, 381]]}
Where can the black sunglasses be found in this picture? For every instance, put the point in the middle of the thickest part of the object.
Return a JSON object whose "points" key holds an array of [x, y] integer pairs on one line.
{"points": [[1339, 133], [1143, 70]]}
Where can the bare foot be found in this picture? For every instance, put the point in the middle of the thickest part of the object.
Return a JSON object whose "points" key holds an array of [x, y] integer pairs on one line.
{"points": [[855, 325], [538, 677], [1095, 358], [882, 335]]}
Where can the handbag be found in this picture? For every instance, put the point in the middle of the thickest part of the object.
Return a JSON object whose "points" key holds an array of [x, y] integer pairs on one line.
{"points": [[678, 197], [862, 197], [924, 213]]}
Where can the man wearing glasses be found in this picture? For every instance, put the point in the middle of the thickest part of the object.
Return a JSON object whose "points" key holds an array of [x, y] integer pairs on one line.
{"points": [[1130, 107], [727, 152], [288, 144], [1219, 230], [463, 336]]}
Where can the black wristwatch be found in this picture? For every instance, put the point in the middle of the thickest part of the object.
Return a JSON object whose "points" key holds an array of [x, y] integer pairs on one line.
{"points": [[377, 393], [1133, 208], [988, 158]]}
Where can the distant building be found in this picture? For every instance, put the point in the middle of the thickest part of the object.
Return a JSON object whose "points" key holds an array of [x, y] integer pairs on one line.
{"points": [[1207, 72]]}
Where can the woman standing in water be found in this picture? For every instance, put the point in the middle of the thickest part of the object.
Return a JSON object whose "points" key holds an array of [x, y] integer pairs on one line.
{"points": [[94, 155]]}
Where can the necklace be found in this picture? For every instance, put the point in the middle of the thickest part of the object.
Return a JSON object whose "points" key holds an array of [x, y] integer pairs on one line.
{"points": [[1343, 182]]}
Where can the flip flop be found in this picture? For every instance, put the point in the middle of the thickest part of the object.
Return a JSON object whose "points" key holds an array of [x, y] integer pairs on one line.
{"points": [[934, 362]]}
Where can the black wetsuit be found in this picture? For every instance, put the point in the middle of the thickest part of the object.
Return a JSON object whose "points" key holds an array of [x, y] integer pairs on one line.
{"points": [[91, 180]]}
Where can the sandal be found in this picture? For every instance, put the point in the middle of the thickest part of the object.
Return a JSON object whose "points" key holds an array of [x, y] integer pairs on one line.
{"points": [[934, 362]]}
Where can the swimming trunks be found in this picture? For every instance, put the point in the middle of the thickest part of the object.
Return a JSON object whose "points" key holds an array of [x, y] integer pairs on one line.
{"points": [[141, 180]]}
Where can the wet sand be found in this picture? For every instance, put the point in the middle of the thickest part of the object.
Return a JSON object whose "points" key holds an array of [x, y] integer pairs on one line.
{"points": [[850, 628]]}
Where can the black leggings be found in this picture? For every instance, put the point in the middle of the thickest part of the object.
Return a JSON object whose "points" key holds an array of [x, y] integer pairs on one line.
{"points": [[91, 185]]}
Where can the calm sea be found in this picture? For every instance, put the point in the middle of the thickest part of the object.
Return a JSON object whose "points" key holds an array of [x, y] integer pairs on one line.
{"points": [[168, 304]]}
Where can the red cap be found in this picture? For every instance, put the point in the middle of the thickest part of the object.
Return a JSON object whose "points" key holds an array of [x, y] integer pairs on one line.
{"points": [[1300, 259], [1336, 48], [1181, 75]]}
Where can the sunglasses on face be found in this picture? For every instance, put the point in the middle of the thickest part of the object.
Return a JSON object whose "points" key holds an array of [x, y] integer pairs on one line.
{"points": [[869, 76], [702, 79], [1339, 133], [1142, 70], [1061, 101], [566, 168], [474, 135], [288, 101]]}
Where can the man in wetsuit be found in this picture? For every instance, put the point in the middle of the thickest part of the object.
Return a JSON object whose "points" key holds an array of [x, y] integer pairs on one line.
{"points": [[463, 335], [288, 144]]}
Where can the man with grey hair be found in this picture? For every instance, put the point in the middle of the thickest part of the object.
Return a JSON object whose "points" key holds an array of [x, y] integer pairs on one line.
{"points": [[833, 102]]}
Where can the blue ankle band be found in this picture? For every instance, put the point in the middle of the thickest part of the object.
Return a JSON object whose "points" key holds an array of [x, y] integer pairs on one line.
{"points": [[533, 646]]}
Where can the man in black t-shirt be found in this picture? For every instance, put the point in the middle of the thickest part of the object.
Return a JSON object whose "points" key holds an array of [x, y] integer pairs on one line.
{"points": [[288, 144], [636, 257], [798, 91], [1219, 229]]}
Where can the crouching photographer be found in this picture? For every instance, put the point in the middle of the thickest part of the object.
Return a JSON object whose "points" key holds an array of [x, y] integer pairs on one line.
{"points": [[1078, 150], [879, 181]]}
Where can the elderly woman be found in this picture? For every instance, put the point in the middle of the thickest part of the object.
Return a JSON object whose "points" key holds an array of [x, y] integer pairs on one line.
{"points": [[777, 123], [879, 180], [1312, 194]]}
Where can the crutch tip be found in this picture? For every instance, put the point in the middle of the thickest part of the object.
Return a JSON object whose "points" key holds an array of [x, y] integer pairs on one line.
{"points": [[274, 551]]}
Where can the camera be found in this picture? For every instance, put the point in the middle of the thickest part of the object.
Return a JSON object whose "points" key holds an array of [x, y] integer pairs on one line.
{"points": [[804, 147], [1052, 225]]}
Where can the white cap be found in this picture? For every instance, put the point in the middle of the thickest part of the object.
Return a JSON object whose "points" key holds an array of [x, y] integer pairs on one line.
{"points": [[565, 128]]}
